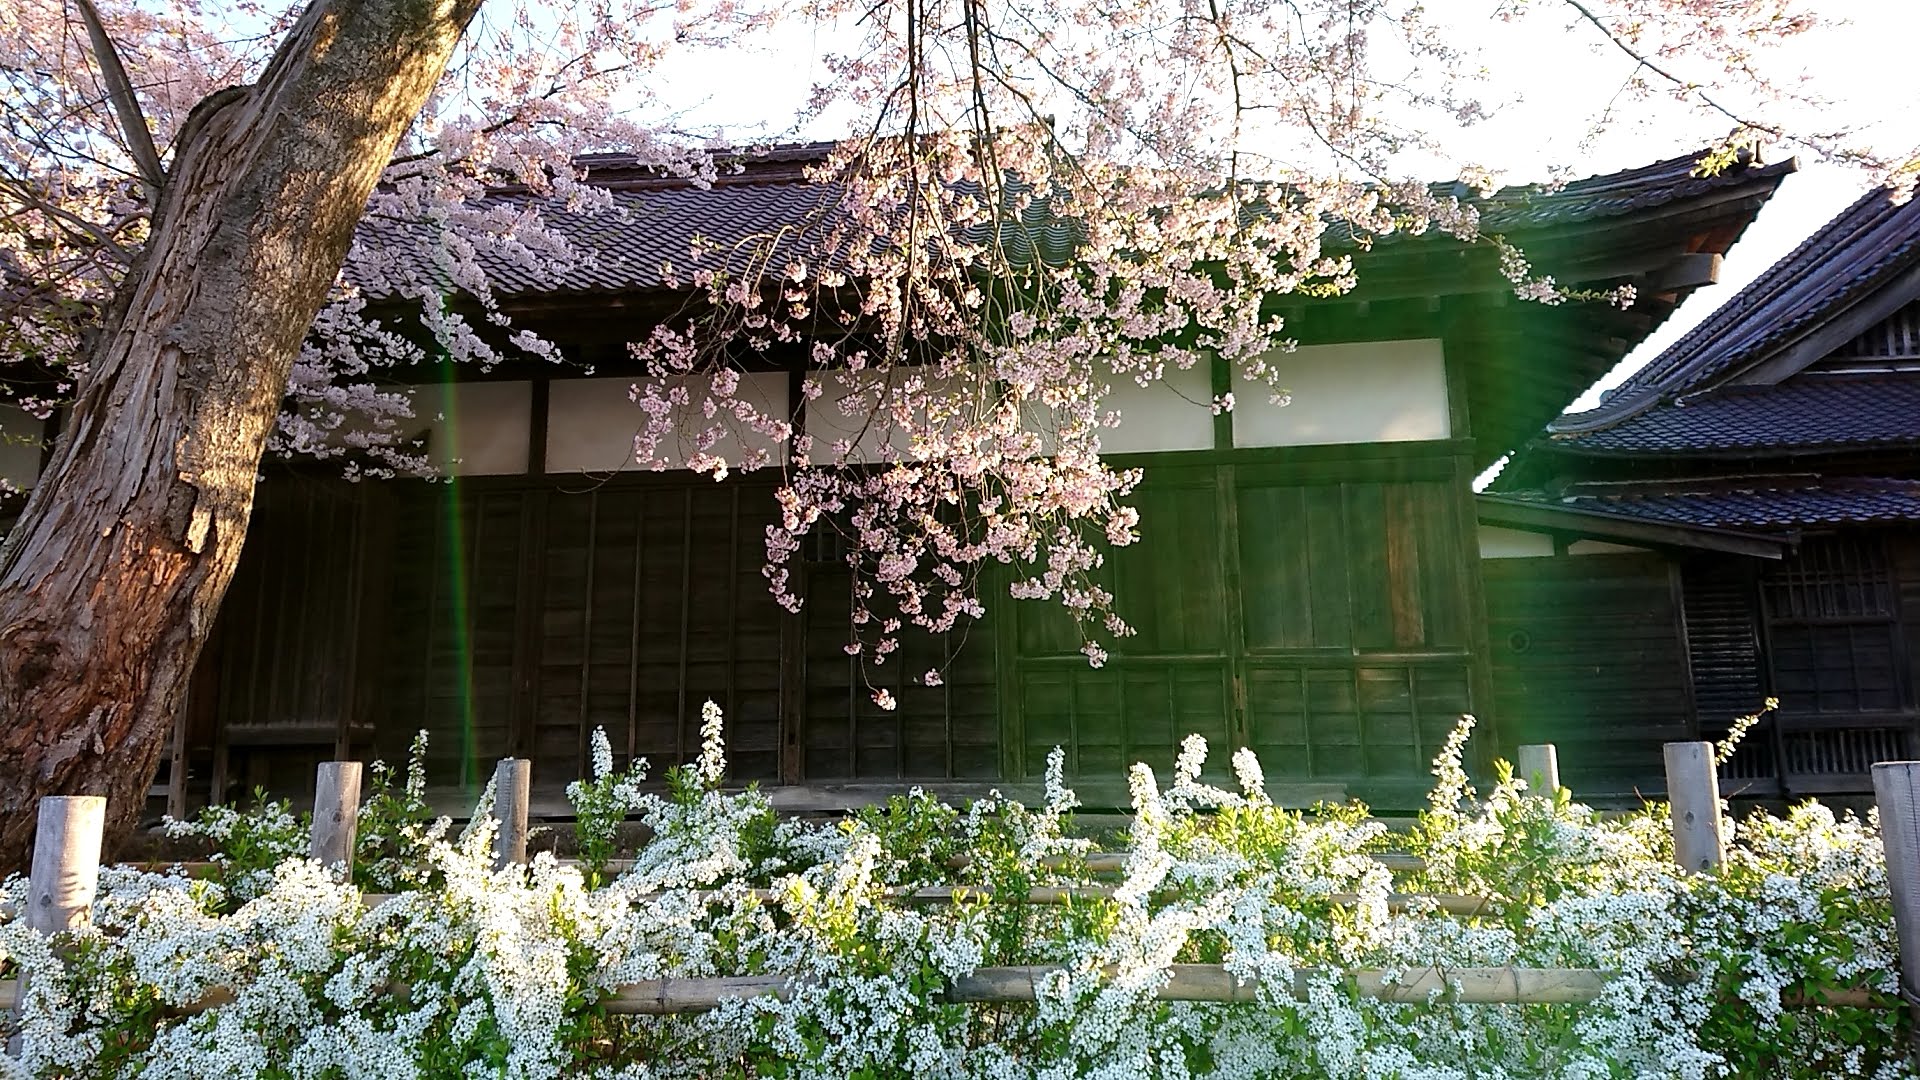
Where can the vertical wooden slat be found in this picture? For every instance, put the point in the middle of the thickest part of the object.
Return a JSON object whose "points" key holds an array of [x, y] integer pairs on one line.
{"points": [[529, 623], [436, 557], [793, 626], [286, 606], [732, 642], [348, 634], [1403, 567], [177, 753], [258, 630], [539, 401], [368, 709], [946, 701], [1364, 523], [1471, 594], [1005, 615], [1329, 598], [636, 617], [586, 631], [1226, 502], [467, 549], [1416, 685], [1362, 735], [680, 724], [1221, 377], [793, 679], [853, 693]]}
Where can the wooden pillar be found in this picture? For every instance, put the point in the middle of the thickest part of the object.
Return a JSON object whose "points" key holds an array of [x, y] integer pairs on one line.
{"points": [[1896, 790], [1693, 791], [336, 814], [1539, 766], [66, 862], [512, 790]]}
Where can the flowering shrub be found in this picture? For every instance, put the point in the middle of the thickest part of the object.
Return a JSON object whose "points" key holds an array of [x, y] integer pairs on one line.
{"points": [[472, 972]]}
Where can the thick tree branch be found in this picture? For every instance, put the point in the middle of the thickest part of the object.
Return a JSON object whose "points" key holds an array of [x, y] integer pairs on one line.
{"points": [[126, 104]]}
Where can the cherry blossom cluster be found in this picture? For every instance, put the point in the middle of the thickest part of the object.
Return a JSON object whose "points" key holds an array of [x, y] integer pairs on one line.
{"points": [[1036, 202]]}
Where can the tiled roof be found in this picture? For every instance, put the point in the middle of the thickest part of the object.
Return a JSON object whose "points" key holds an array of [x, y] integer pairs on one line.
{"points": [[1616, 194], [1806, 413], [1862, 249], [661, 221], [1759, 502], [658, 235]]}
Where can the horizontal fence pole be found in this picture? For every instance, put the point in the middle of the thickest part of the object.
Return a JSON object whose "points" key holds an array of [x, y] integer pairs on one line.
{"points": [[1187, 982], [1100, 863], [1047, 894]]}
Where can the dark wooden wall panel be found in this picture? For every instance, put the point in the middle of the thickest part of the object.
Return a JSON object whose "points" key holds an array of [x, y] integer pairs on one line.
{"points": [[451, 620], [280, 665], [523, 616], [1340, 653], [945, 732], [1314, 609], [1587, 655], [1130, 710]]}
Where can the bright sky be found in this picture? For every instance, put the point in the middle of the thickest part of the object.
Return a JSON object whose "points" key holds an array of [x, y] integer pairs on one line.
{"points": [[1548, 73]]}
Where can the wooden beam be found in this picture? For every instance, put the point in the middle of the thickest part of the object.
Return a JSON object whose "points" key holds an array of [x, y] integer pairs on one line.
{"points": [[1493, 510], [1689, 271]]}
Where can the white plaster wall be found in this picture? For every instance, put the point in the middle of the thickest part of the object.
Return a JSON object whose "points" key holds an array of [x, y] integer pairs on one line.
{"points": [[1499, 543], [591, 424], [845, 410], [1172, 413], [1375, 391], [476, 428]]}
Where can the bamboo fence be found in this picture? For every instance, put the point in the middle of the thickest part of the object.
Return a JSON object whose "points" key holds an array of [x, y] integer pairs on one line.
{"points": [[66, 860]]}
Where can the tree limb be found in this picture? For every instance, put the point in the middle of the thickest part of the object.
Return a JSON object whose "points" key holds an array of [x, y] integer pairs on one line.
{"points": [[126, 105]]}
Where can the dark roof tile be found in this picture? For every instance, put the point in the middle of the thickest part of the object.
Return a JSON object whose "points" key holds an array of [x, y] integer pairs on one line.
{"points": [[1861, 249], [1761, 502], [658, 218], [1807, 413]]}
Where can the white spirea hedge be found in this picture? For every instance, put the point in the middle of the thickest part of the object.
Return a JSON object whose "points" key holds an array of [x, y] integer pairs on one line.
{"points": [[472, 973]]}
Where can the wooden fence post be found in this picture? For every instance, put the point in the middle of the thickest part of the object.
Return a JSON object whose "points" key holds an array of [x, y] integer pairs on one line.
{"points": [[1693, 792], [66, 862], [1896, 790], [1539, 766], [512, 790], [336, 814]]}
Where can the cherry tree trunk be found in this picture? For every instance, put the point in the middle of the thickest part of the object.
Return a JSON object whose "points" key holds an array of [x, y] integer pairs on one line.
{"points": [[111, 580]]}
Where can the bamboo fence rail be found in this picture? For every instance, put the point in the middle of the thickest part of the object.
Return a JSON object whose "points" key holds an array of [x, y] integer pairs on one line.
{"points": [[1185, 982]]}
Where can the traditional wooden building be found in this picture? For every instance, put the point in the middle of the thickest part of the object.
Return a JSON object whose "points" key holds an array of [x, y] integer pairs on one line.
{"points": [[1308, 583], [1739, 520]]}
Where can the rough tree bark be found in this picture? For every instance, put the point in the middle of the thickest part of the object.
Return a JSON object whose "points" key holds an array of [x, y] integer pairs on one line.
{"points": [[110, 581]]}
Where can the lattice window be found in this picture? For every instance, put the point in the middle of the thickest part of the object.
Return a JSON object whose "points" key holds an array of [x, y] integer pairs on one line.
{"points": [[1894, 342], [1844, 578], [1832, 629]]}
